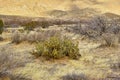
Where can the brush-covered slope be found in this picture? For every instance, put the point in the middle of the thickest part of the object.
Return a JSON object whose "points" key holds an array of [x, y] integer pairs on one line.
{"points": [[58, 8]]}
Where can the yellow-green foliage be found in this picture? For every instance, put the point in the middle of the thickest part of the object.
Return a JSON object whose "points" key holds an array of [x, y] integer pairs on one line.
{"points": [[56, 48], [1, 26]]}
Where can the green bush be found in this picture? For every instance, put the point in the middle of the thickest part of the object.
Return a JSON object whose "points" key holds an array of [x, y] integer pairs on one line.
{"points": [[56, 48], [1, 26]]}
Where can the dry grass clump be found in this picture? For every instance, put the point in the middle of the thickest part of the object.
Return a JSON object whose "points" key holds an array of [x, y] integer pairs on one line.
{"points": [[16, 37], [55, 48], [75, 76], [111, 40], [115, 65], [33, 36], [9, 61]]}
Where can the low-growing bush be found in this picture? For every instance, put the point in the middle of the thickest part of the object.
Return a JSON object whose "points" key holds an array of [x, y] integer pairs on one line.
{"points": [[56, 48]]}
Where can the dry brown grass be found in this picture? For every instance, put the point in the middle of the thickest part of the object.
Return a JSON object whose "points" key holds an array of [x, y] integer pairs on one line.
{"points": [[8, 61]]}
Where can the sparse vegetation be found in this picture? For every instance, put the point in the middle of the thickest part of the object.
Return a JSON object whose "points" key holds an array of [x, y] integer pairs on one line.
{"points": [[56, 48]]}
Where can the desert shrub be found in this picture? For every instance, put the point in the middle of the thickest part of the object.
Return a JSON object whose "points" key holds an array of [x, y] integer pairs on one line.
{"points": [[99, 23], [31, 36], [111, 40], [23, 36], [103, 25], [75, 76], [16, 37], [114, 27], [30, 26], [56, 48], [1, 26], [45, 24], [41, 36], [94, 27]]}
